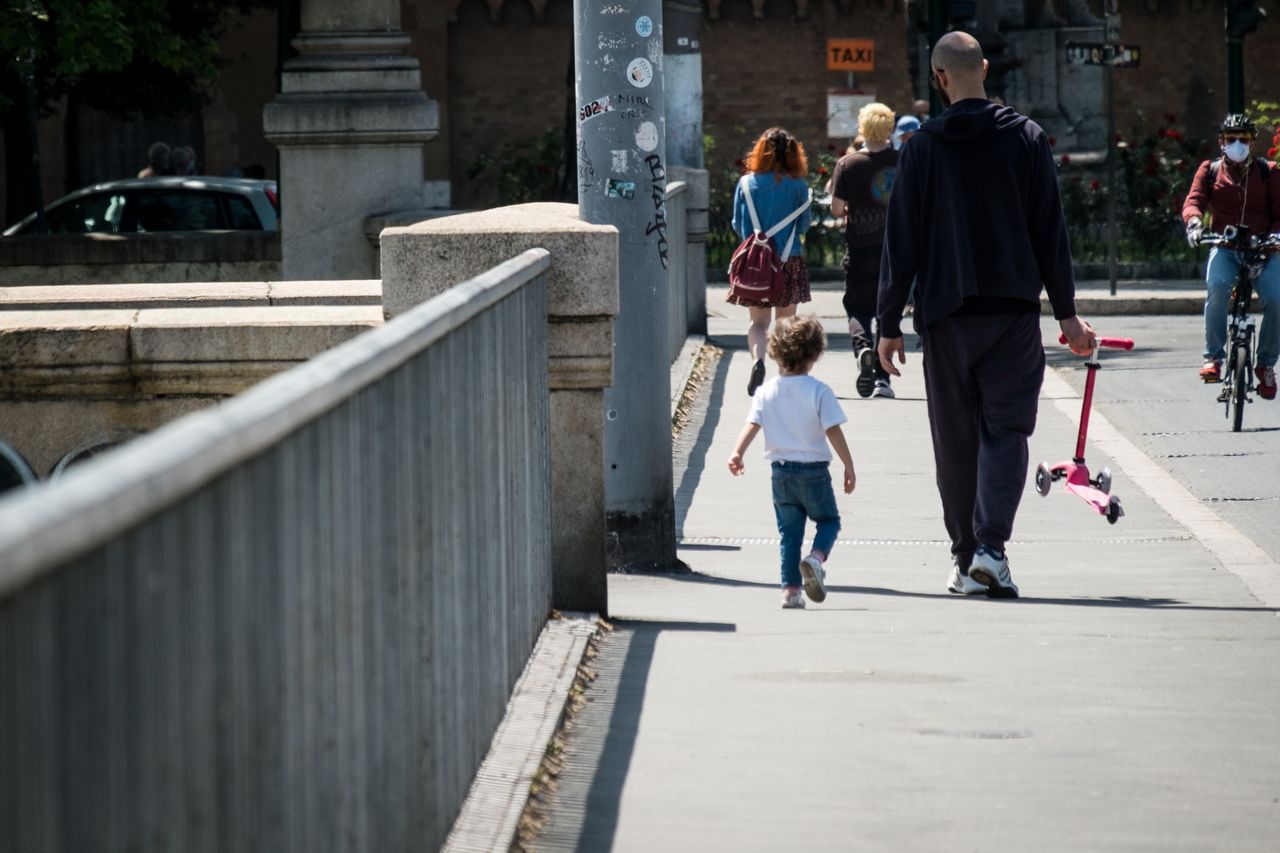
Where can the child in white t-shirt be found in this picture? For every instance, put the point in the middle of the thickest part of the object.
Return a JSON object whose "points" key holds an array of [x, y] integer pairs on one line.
{"points": [[799, 416]]}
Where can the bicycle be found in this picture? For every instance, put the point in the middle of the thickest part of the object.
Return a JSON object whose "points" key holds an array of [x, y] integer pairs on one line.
{"points": [[1237, 376]]}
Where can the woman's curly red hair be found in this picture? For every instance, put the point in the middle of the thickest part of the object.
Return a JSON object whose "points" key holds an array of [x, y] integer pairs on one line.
{"points": [[778, 151]]}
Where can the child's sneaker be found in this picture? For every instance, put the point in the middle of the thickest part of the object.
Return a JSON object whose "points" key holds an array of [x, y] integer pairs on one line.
{"points": [[813, 574], [792, 598], [991, 569]]}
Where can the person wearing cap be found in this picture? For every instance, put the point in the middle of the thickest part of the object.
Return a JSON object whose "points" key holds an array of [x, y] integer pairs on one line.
{"points": [[907, 127]]}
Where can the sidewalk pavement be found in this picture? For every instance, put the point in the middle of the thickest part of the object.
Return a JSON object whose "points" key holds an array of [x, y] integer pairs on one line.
{"points": [[1128, 701]]}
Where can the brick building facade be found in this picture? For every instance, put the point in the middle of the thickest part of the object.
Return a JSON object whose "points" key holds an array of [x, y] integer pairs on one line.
{"points": [[499, 72]]}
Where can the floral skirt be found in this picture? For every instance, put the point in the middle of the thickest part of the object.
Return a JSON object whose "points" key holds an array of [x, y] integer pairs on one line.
{"points": [[795, 277]]}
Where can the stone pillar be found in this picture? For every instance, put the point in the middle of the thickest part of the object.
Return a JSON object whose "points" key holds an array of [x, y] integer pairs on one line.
{"points": [[427, 258], [350, 121], [696, 226]]}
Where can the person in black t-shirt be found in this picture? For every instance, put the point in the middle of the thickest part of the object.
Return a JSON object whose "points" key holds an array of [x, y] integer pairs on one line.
{"points": [[860, 192]]}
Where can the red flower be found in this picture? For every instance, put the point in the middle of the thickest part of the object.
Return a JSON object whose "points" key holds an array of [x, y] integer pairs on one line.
{"points": [[822, 170], [1066, 160], [1173, 134], [1095, 184], [1171, 118], [1271, 153], [1052, 142], [1161, 133]]}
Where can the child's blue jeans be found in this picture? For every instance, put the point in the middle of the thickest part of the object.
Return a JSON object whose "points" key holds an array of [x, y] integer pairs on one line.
{"points": [[802, 490]]}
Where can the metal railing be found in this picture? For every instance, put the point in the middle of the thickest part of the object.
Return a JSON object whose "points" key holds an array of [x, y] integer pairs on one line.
{"points": [[291, 622]]}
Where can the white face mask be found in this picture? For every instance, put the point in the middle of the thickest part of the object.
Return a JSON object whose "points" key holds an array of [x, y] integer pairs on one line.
{"points": [[1236, 150]]}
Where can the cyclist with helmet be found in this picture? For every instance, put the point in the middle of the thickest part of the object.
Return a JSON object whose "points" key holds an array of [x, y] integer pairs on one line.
{"points": [[1237, 189]]}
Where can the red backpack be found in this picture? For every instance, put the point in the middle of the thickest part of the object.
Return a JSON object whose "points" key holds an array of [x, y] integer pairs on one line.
{"points": [[755, 272]]}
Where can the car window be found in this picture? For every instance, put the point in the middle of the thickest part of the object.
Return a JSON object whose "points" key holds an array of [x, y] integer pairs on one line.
{"points": [[176, 210], [241, 213], [94, 213]]}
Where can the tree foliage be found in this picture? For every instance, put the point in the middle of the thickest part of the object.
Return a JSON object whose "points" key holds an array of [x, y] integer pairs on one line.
{"points": [[64, 42]]}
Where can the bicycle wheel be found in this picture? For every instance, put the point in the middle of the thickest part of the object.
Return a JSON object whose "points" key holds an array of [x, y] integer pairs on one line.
{"points": [[1239, 386]]}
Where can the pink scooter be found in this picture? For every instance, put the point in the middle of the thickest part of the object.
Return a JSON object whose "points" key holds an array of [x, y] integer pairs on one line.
{"points": [[1096, 492]]}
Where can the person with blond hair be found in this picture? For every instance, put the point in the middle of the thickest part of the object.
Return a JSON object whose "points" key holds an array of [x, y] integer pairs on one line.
{"points": [[860, 192], [772, 190]]}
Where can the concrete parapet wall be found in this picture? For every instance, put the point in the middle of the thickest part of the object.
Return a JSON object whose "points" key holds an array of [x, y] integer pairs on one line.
{"points": [[67, 297], [94, 374], [425, 258], [131, 258]]}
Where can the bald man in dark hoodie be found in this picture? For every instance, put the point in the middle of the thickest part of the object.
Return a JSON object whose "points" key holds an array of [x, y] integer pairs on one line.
{"points": [[975, 218]]}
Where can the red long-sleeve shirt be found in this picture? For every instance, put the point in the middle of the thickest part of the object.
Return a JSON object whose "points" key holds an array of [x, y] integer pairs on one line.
{"points": [[1229, 196]]}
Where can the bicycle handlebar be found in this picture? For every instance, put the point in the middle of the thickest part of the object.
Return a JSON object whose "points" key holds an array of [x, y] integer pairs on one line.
{"points": [[1109, 343], [1231, 241]]}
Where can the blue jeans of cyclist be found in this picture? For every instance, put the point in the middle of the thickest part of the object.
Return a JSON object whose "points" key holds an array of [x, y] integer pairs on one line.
{"points": [[802, 490], [1220, 275]]}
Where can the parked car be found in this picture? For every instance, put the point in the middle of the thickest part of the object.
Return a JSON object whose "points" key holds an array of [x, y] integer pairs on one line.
{"points": [[151, 205]]}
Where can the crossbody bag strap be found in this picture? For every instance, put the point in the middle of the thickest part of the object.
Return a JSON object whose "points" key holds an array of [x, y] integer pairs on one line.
{"points": [[790, 217], [786, 252], [751, 208]]}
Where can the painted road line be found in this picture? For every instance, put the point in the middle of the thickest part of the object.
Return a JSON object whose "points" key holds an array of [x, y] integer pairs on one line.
{"points": [[1237, 553]]}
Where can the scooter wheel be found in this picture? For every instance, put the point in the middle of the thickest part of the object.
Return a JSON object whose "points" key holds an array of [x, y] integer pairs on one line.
{"points": [[1044, 479], [1113, 510], [1104, 480]]}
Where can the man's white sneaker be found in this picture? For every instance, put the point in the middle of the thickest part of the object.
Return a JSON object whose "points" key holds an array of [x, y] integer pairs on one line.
{"points": [[883, 389], [814, 575], [866, 371], [792, 599], [962, 584], [991, 569]]}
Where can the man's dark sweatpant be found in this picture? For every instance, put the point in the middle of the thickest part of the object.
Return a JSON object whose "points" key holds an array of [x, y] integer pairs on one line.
{"points": [[982, 375]]}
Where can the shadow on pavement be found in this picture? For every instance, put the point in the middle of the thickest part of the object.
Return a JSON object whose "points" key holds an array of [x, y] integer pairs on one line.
{"points": [[697, 459], [620, 688], [1110, 601]]}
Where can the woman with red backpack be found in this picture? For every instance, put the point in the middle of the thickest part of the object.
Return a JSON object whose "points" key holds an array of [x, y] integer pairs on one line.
{"points": [[772, 198]]}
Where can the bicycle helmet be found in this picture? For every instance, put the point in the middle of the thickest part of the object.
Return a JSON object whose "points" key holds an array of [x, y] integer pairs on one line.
{"points": [[1238, 123]]}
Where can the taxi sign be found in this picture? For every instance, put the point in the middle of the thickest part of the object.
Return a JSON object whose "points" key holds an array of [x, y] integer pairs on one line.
{"points": [[851, 55]]}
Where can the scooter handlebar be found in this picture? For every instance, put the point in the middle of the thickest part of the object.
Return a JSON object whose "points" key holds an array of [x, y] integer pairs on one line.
{"points": [[1109, 343]]}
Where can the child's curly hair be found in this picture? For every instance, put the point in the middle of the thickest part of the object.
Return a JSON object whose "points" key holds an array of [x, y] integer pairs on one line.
{"points": [[797, 342]]}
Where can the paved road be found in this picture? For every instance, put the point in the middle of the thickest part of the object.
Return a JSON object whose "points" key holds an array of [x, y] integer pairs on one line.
{"points": [[1153, 397], [1126, 702]]}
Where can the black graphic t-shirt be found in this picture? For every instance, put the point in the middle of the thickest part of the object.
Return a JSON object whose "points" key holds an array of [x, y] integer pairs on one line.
{"points": [[863, 181]]}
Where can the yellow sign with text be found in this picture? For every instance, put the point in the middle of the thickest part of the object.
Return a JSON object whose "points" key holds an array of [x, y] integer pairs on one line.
{"points": [[851, 55]]}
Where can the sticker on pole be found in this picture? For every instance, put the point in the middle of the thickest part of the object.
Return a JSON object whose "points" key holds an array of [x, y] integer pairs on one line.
{"points": [[640, 73], [647, 136], [644, 26], [597, 107], [620, 189]]}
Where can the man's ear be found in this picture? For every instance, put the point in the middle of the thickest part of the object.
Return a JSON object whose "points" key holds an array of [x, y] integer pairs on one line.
{"points": [[985, 66]]}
